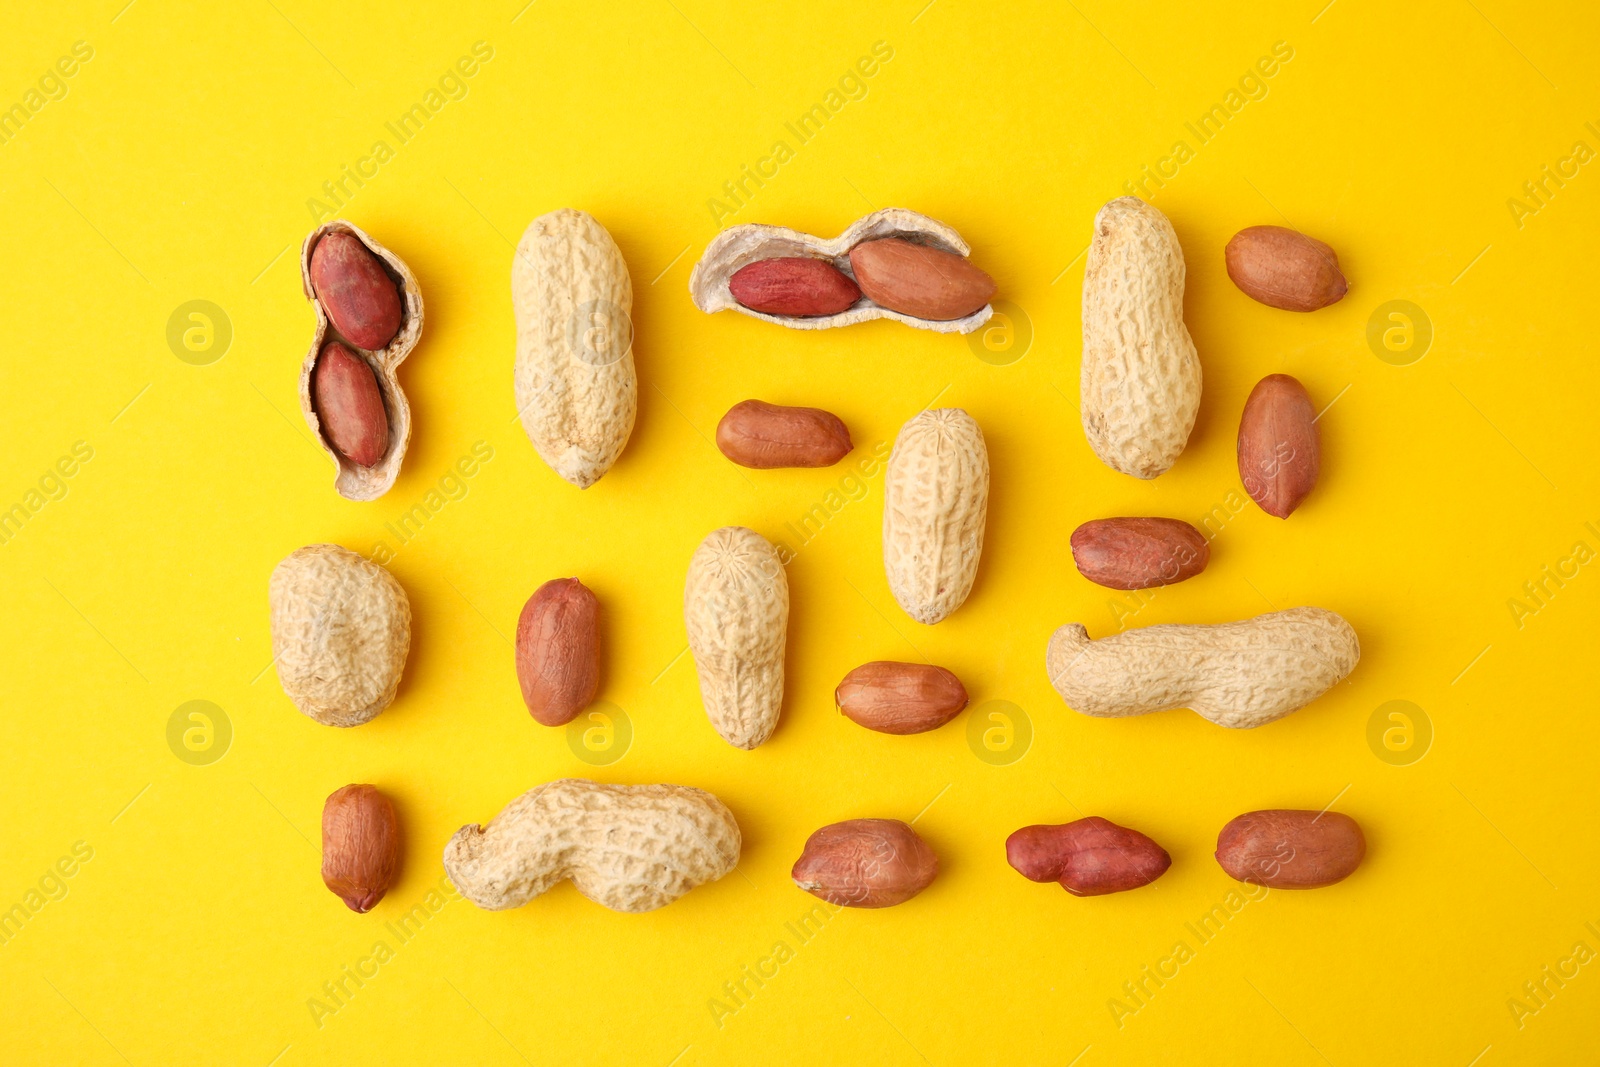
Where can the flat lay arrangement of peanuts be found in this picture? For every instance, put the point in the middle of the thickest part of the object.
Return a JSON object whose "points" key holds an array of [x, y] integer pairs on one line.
{"points": [[341, 624]]}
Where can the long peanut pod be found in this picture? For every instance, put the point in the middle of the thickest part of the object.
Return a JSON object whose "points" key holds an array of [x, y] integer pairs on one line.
{"points": [[1141, 377], [630, 848], [576, 390], [1237, 674], [736, 611], [935, 506]]}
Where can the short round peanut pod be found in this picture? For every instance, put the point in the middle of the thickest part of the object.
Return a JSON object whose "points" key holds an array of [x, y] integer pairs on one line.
{"points": [[936, 501], [341, 629]]}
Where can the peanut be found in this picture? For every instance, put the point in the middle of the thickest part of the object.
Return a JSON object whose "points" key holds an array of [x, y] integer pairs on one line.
{"points": [[368, 319], [576, 390], [917, 279], [341, 628], [630, 848], [777, 283], [936, 500], [1141, 377], [1291, 849], [1280, 450], [900, 698], [764, 436], [1089, 857], [360, 845], [865, 863], [1284, 269], [1137, 553], [1237, 674], [558, 651], [793, 285], [361, 299], [349, 405], [736, 610]]}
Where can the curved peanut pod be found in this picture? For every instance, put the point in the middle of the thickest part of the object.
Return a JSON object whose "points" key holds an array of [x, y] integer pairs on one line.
{"points": [[576, 390], [1237, 674], [736, 610], [1141, 376], [630, 848], [936, 502]]}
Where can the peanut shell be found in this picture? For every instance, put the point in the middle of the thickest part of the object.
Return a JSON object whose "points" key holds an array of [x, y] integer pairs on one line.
{"points": [[1237, 674], [353, 480], [630, 848], [736, 611], [1141, 377], [739, 246], [341, 629], [936, 500], [576, 390]]}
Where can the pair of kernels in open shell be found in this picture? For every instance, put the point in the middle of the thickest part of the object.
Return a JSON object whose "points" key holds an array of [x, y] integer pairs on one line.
{"points": [[740, 246], [736, 611], [357, 481], [936, 503], [341, 630], [576, 390], [1140, 375]]}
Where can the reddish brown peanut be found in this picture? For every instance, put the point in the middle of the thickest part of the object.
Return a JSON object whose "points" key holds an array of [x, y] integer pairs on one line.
{"points": [[1280, 452], [360, 298], [793, 285], [558, 651], [900, 698], [1089, 857], [1137, 553], [345, 394], [919, 280], [1284, 269], [360, 845], [764, 436], [1291, 849], [865, 863]]}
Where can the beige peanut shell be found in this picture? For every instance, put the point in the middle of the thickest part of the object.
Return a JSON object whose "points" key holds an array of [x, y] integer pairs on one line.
{"points": [[736, 610], [341, 629], [576, 390], [739, 246], [1141, 376], [1237, 674], [355, 482], [631, 848], [936, 501]]}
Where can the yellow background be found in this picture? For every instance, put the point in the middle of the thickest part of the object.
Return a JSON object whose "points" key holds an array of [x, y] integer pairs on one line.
{"points": [[178, 167]]}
